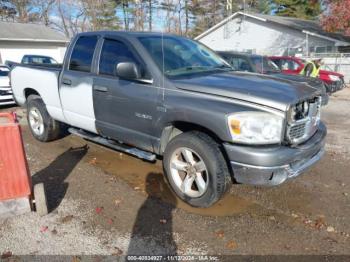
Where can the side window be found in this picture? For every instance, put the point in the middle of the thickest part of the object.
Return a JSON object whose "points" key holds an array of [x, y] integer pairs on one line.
{"points": [[285, 64], [277, 62], [114, 52], [239, 64], [83, 53]]}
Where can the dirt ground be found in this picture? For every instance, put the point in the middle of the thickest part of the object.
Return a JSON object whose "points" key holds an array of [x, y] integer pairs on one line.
{"points": [[104, 202]]}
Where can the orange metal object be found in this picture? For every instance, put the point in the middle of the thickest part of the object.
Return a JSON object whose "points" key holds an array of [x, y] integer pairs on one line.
{"points": [[15, 181]]}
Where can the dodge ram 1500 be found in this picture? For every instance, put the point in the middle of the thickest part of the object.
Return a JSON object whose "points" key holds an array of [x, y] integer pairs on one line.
{"points": [[157, 95]]}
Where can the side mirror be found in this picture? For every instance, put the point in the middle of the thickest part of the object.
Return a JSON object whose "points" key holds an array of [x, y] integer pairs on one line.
{"points": [[128, 70]]}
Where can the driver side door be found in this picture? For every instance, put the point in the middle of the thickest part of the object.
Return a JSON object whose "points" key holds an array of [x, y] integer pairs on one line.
{"points": [[124, 109]]}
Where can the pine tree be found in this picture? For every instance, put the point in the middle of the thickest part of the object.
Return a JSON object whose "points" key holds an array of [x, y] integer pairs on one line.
{"points": [[101, 14], [297, 8], [207, 13]]}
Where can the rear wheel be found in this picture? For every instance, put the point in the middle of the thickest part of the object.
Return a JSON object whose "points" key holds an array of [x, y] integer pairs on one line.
{"points": [[43, 127], [196, 169]]}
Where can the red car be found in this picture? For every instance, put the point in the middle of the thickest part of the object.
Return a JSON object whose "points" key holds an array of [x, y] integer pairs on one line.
{"points": [[293, 65]]}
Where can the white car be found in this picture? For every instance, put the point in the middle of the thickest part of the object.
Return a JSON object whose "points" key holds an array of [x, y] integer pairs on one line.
{"points": [[6, 97]]}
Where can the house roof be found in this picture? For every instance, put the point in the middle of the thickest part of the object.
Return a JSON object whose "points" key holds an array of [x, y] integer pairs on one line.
{"points": [[306, 26], [28, 32]]}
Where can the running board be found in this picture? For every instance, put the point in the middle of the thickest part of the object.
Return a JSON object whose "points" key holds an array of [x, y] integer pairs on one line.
{"points": [[113, 144]]}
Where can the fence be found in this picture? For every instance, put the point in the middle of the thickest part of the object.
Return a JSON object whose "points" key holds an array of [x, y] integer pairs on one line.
{"points": [[338, 62]]}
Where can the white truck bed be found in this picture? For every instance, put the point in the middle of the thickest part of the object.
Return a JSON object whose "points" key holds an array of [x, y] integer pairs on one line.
{"points": [[41, 79]]}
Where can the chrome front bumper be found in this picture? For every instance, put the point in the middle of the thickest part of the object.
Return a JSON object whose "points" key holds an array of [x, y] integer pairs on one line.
{"points": [[271, 166]]}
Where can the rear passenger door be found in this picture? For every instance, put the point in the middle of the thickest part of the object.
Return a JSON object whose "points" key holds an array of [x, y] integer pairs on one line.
{"points": [[124, 109], [76, 84]]}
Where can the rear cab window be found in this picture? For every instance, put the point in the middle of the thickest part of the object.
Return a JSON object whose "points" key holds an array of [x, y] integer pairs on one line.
{"points": [[83, 53]]}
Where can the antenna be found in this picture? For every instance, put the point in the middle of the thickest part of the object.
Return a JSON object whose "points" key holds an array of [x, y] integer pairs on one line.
{"points": [[163, 66]]}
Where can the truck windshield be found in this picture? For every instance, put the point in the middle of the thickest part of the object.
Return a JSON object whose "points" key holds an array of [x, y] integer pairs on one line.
{"points": [[182, 56], [264, 65]]}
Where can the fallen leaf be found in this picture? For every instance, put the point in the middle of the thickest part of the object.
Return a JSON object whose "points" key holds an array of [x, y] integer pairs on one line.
{"points": [[307, 221], [76, 259], [44, 229], [294, 215], [67, 219], [220, 234], [110, 221], [118, 251], [231, 245], [6, 255], [99, 210], [163, 221], [330, 229], [93, 161], [320, 223]]}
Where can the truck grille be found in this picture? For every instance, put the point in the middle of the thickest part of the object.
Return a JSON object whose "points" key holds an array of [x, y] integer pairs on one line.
{"points": [[303, 120]]}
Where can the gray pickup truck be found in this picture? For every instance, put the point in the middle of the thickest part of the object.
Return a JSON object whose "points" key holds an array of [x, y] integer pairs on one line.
{"points": [[163, 96]]}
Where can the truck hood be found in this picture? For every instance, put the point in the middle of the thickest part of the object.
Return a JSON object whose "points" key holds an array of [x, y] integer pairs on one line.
{"points": [[255, 88], [314, 82]]}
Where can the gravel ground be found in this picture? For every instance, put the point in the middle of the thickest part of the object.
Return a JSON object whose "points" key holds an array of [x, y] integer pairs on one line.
{"points": [[106, 203]]}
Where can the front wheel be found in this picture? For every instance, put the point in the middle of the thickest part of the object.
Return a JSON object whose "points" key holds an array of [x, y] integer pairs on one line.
{"points": [[196, 169]]}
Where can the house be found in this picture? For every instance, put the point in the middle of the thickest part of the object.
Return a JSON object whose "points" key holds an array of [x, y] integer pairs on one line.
{"points": [[272, 35], [19, 39]]}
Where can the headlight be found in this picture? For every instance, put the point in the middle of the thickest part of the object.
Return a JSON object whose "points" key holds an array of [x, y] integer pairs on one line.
{"points": [[334, 78], [255, 128]]}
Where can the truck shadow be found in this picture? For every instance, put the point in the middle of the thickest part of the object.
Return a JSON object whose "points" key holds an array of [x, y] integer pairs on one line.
{"points": [[153, 227], [56, 173]]}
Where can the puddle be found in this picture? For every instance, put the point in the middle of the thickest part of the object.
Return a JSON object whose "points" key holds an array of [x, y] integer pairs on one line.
{"points": [[149, 179]]}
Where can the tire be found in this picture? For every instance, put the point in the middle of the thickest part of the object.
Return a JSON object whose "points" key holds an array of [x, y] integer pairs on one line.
{"points": [[43, 127], [184, 178], [40, 200]]}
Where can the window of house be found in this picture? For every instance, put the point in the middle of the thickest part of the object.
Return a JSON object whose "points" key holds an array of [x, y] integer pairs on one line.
{"points": [[82, 55]]}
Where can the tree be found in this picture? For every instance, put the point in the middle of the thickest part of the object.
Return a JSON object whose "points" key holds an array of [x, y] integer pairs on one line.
{"points": [[101, 14], [260, 6], [71, 17], [44, 9], [336, 17], [304, 9], [207, 13]]}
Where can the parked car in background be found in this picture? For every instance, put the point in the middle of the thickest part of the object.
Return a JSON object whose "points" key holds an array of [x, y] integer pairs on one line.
{"points": [[38, 59], [6, 97], [33, 60], [294, 65], [153, 94], [263, 65]]}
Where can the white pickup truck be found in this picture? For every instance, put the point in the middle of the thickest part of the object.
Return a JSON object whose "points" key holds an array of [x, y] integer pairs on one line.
{"points": [[6, 97], [153, 95]]}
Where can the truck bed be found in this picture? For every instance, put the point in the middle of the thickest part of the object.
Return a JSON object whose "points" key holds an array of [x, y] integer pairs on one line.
{"points": [[42, 79]]}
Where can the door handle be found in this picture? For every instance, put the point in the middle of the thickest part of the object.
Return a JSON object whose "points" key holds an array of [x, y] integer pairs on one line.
{"points": [[100, 88], [67, 82]]}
